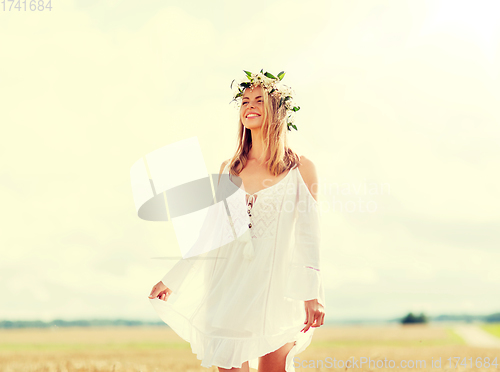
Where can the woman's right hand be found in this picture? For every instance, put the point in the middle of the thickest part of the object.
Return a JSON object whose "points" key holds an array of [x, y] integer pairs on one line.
{"points": [[161, 291]]}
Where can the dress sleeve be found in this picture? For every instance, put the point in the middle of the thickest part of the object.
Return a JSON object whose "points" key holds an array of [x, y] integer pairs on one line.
{"points": [[213, 234], [304, 280], [177, 275]]}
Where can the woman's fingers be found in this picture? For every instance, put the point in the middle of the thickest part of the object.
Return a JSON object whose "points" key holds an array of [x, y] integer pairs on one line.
{"points": [[307, 318], [317, 321], [319, 317], [165, 295], [315, 314], [162, 295], [154, 291], [310, 321], [159, 290]]}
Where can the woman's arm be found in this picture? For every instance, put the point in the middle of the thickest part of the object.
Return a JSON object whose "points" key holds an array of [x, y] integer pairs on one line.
{"points": [[305, 280], [308, 172], [223, 165], [172, 281]]}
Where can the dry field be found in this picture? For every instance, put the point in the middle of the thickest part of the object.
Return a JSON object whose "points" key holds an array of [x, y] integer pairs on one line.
{"points": [[158, 349]]}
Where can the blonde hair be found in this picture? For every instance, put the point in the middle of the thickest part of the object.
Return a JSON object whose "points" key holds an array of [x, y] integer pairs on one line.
{"points": [[274, 131]]}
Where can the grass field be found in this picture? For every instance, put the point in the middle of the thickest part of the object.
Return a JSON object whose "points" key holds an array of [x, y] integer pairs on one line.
{"points": [[493, 328], [158, 349]]}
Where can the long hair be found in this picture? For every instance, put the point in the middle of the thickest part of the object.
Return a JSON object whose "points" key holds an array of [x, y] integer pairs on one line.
{"points": [[274, 130]]}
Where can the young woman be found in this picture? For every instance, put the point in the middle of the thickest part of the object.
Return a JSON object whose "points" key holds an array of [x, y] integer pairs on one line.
{"points": [[255, 301]]}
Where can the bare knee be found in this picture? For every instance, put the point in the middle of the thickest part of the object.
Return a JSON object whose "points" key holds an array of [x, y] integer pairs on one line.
{"points": [[275, 361]]}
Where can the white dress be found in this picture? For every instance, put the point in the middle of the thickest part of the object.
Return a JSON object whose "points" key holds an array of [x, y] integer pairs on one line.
{"points": [[245, 299]]}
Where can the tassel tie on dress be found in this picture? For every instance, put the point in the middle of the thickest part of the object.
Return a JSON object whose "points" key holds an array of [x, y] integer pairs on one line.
{"points": [[248, 249]]}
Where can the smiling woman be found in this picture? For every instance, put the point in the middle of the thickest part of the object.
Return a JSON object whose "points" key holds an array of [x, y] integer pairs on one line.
{"points": [[254, 302], [252, 106]]}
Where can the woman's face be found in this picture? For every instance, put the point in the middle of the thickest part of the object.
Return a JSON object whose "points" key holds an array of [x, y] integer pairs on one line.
{"points": [[252, 107]]}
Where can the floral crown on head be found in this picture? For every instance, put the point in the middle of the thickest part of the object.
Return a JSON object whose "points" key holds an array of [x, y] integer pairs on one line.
{"points": [[273, 86]]}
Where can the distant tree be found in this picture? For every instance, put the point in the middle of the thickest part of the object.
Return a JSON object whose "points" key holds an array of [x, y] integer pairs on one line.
{"points": [[408, 319], [59, 323], [412, 319], [492, 318], [422, 318]]}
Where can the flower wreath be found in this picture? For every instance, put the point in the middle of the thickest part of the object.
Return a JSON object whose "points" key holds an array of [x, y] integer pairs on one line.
{"points": [[273, 86]]}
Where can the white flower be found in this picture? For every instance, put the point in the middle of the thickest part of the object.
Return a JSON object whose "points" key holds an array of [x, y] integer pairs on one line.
{"points": [[268, 81], [285, 90]]}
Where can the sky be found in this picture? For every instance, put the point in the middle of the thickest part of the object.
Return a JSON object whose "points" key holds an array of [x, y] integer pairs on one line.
{"points": [[398, 113]]}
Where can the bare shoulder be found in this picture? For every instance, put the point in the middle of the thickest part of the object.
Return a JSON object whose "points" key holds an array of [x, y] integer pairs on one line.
{"points": [[223, 165], [308, 172]]}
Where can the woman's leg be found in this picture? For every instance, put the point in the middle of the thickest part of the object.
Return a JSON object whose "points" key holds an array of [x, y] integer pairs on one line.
{"points": [[244, 368], [275, 361]]}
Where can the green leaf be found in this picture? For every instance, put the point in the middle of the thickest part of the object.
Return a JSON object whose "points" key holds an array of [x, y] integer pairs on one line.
{"points": [[249, 74], [238, 95], [281, 75], [294, 127], [262, 71], [269, 75], [245, 84], [296, 108], [288, 98]]}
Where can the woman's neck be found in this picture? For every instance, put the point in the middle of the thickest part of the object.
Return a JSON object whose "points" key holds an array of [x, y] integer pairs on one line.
{"points": [[256, 153]]}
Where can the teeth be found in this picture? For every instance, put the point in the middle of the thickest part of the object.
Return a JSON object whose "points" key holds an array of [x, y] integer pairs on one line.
{"points": [[252, 115]]}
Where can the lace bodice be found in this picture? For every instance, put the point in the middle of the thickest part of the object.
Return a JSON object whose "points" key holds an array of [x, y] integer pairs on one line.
{"points": [[260, 210]]}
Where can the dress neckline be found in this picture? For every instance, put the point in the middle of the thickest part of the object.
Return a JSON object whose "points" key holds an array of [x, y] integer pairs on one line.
{"points": [[265, 188]]}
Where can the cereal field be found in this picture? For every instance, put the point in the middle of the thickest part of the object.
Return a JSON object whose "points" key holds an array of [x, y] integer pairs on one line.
{"points": [[158, 349]]}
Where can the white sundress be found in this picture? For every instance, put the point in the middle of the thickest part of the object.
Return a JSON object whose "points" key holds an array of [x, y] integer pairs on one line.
{"points": [[245, 299]]}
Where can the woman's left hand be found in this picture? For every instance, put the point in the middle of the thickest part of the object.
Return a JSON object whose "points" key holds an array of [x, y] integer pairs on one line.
{"points": [[315, 315]]}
